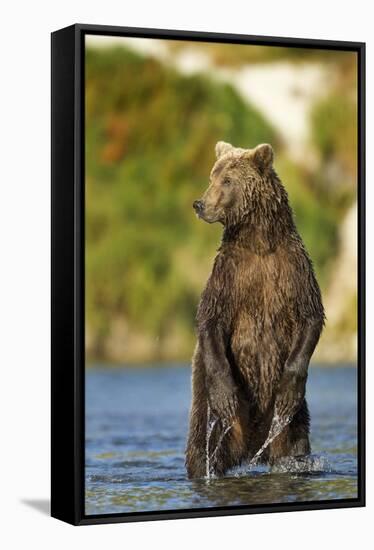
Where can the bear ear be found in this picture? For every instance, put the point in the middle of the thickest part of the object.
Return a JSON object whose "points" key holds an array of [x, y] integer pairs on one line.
{"points": [[263, 156], [222, 148]]}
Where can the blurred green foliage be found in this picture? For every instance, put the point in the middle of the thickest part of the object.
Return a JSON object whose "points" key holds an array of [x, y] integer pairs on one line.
{"points": [[150, 137], [334, 126]]}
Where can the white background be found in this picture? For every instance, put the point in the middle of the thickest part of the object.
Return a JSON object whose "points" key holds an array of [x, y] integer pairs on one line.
{"points": [[25, 272]]}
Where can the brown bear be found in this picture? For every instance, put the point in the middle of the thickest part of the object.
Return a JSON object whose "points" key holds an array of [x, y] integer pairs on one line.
{"points": [[258, 320]]}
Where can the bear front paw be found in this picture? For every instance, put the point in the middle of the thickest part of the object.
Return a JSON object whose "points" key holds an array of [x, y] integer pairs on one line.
{"points": [[223, 400], [290, 396]]}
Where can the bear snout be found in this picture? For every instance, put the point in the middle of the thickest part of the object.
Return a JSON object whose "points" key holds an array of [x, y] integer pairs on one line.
{"points": [[198, 206]]}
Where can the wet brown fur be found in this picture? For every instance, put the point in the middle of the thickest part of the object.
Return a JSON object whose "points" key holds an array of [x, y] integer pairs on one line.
{"points": [[262, 293]]}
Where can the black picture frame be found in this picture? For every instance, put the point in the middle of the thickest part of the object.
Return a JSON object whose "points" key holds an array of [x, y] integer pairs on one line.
{"points": [[68, 276]]}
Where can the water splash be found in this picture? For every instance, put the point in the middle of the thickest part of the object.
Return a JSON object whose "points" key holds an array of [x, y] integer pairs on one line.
{"points": [[310, 464], [210, 423], [292, 465], [226, 429], [302, 464], [211, 458], [277, 426]]}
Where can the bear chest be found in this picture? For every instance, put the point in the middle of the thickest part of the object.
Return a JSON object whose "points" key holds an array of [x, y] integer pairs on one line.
{"points": [[259, 287], [263, 321]]}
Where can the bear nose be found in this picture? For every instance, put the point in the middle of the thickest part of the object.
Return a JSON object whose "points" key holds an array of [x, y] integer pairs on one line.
{"points": [[198, 206]]}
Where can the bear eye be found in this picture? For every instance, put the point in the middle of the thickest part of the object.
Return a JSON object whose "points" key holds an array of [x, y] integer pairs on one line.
{"points": [[226, 182]]}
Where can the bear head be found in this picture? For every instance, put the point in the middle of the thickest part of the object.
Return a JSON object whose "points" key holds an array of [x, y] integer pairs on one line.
{"points": [[242, 181]]}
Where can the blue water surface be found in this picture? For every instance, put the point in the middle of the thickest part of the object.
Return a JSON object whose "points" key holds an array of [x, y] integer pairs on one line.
{"points": [[136, 427]]}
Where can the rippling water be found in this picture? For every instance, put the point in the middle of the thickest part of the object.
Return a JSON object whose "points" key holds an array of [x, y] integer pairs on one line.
{"points": [[136, 425]]}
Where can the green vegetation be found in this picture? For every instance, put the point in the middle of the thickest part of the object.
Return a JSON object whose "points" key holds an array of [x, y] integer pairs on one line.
{"points": [[333, 120], [150, 136]]}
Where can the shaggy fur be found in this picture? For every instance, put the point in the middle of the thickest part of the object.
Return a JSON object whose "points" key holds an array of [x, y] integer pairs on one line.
{"points": [[259, 318]]}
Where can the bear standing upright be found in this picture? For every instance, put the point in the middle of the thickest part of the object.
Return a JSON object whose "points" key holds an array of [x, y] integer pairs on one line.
{"points": [[258, 322]]}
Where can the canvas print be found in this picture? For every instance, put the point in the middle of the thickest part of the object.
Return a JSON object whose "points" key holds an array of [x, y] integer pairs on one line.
{"points": [[220, 275]]}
